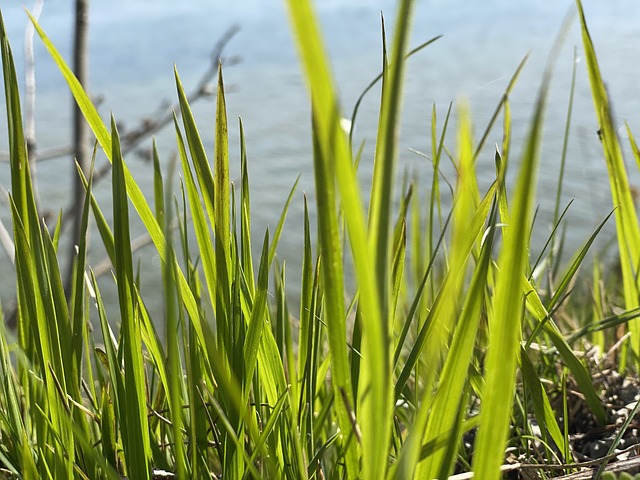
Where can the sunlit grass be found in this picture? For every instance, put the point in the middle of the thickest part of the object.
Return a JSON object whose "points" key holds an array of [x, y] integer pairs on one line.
{"points": [[447, 331]]}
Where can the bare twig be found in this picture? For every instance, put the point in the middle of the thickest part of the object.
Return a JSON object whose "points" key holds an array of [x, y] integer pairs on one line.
{"points": [[81, 131], [49, 154]]}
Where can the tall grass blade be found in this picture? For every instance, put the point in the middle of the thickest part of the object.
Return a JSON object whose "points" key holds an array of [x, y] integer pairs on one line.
{"points": [[505, 323], [453, 379], [133, 411], [222, 221], [257, 320], [332, 159], [375, 407], [430, 333], [541, 405], [333, 280], [627, 228]]}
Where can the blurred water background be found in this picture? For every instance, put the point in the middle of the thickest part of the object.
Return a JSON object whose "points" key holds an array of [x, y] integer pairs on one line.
{"points": [[135, 44]]}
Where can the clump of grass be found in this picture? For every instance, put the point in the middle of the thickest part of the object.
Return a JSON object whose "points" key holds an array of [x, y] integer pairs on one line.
{"points": [[227, 391]]}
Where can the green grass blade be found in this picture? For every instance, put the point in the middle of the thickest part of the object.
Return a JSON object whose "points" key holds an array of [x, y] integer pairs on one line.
{"points": [[196, 148], [575, 264], [507, 305], [158, 186], [627, 228], [175, 388], [222, 222], [453, 379], [384, 176], [245, 212], [331, 142], [104, 139], [565, 140], [580, 372], [78, 312], [333, 162], [377, 374], [541, 405], [257, 320], [467, 238], [17, 145], [199, 222], [133, 412]]}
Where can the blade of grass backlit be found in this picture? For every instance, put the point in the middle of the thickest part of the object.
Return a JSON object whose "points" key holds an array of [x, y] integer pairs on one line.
{"points": [[333, 162], [245, 211], [257, 319], [39, 285], [305, 296], [467, 238], [453, 379], [133, 413], [333, 278], [377, 376], [222, 226], [17, 145], [506, 319], [628, 230], [387, 152], [444, 314], [536, 308], [435, 206], [328, 134], [541, 405]]}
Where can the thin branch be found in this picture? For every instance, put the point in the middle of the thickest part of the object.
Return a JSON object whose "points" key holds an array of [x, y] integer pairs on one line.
{"points": [[49, 154], [81, 131]]}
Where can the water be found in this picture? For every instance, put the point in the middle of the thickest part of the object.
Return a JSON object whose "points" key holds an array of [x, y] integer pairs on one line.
{"points": [[134, 45]]}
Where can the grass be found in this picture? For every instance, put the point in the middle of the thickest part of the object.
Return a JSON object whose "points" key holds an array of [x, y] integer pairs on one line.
{"points": [[448, 332]]}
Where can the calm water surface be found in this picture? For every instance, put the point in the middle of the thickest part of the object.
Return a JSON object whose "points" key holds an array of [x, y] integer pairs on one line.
{"points": [[135, 43]]}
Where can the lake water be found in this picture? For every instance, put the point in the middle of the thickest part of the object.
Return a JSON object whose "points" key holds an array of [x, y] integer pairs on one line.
{"points": [[135, 43]]}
